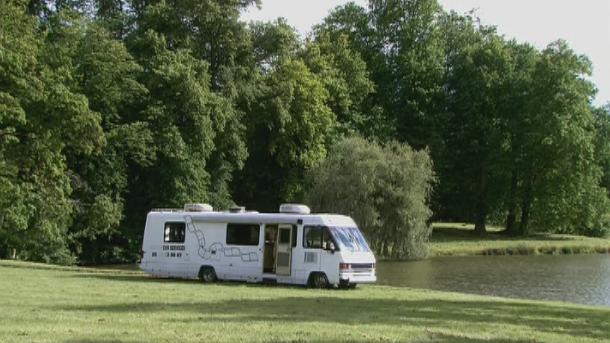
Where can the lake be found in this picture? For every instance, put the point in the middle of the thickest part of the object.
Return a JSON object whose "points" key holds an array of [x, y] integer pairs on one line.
{"points": [[583, 279]]}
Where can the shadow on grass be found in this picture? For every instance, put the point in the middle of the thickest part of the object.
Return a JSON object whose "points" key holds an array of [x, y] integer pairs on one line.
{"points": [[129, 278], [147, 279], [433, 314], [435, 337]]}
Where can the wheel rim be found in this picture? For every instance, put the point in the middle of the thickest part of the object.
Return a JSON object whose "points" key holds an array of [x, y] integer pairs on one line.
{"points": [[319, 281], [208, 276]]}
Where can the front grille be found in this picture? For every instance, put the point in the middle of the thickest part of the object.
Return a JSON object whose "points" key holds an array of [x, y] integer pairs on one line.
{"points": [[362, 265]]}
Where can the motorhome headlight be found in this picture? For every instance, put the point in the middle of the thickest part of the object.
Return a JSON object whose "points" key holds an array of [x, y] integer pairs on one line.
{"points": [[343, 267]]}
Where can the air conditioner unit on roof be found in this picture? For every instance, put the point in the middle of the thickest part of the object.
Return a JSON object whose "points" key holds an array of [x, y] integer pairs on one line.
{"points": [[198, 208], [294, 209]]}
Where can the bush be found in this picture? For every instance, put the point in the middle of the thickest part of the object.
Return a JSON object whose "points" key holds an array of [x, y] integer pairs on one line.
{"points": [[384, 188]]}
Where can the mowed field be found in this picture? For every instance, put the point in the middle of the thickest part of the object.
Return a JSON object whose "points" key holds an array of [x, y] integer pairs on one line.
{"points": [[459, 239], [43, 303]]}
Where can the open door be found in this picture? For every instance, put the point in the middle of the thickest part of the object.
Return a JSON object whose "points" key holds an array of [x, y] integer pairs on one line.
{"points": [[284, 250]]}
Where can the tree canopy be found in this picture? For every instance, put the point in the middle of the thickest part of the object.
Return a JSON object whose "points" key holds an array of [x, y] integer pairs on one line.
{"points": [[111, 108]]}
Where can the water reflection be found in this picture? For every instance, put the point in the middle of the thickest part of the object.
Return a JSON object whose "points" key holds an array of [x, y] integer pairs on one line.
{"points": [[581, 279]]}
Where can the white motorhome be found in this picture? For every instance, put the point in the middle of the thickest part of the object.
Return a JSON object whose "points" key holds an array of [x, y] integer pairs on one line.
{"points": [[292, 246]]}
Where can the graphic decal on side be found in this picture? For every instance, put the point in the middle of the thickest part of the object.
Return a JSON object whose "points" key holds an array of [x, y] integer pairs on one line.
{"points": [[216, 250]]}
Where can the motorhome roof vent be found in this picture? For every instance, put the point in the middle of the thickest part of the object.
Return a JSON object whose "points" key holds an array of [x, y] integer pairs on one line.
{"points": [[198, 208], [294, 209], [237, 209]]}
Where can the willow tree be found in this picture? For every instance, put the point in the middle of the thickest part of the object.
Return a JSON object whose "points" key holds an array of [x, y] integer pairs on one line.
{"points": [[386, 190]]}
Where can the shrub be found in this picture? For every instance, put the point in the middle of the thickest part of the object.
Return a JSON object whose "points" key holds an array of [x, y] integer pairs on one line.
{"points": [[384, 188]]}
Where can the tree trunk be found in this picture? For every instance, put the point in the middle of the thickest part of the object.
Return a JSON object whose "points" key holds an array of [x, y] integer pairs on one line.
{"points": [[511, 217], [384, 249], [479, 224], [14, 255], [481, 210], [525, 209]]}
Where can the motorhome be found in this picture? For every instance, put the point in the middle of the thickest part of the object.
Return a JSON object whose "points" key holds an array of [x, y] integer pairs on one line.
{"points": [[292, 246]]}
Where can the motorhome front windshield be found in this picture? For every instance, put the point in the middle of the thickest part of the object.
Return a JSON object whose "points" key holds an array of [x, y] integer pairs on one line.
{"points": [[350, 238]]}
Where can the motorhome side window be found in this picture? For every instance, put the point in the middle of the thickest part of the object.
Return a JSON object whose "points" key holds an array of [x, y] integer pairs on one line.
{"points": [[243, 234], [317, 237], [174, 232], [312, 237]]}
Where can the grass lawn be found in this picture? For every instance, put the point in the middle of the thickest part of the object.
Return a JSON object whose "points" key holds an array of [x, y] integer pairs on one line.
{"points": [[459, 239], [48, 304]]}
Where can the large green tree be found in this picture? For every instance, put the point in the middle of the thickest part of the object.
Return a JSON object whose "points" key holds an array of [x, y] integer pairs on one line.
{"points": [[479, 103], [560, 177], [43, 120], [288, 127], [106, 74]]}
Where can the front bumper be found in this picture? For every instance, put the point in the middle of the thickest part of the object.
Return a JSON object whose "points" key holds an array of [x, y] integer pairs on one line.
{"points": [[354, 277]]}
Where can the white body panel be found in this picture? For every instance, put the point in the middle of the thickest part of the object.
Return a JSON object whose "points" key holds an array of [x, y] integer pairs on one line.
{"points": [[205, 244]]}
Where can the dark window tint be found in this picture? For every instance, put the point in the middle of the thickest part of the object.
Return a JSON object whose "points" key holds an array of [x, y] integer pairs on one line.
{"points": [[243, 234], [284, 236], [294, 236], [174, 232], [312, 237]]}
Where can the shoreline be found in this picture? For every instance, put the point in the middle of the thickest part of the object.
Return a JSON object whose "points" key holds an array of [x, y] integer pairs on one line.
{"points": [[459, 239]]}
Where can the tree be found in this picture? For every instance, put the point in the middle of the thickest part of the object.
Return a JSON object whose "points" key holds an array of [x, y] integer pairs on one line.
{"points": [[479, 103], [104, 72], [182, 113], [559, 176], [345, 77], [42, 120], [196, 59], [602, 143], [289, 126], [384, 188]]}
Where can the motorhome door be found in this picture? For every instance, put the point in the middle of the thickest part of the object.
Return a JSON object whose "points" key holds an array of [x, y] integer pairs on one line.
{"points": [[284, 250]]}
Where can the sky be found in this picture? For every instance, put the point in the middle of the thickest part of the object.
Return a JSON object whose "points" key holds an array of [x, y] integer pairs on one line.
{"points": [[584, 24]]}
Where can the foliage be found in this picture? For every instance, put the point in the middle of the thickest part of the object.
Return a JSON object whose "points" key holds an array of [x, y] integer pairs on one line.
{"points": [[384, 188], [110, 108], [479, 104], [43, 120], [288, 128], [602, 143]]}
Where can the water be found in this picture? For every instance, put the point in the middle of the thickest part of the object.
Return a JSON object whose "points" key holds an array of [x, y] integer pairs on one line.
{"points": [[583, 279]]}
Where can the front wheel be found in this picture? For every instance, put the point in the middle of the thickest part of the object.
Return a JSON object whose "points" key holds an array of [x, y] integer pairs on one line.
{"points": [[344, 284], [207, 274], [318, 280]]}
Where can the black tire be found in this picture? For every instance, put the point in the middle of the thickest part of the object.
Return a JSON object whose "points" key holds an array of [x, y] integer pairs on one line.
{"points": [[318, 280], [207, 274], [344, 284]]}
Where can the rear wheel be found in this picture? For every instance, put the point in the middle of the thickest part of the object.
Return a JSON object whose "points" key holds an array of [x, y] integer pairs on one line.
{"points": [[318, 280], [207, 274]]}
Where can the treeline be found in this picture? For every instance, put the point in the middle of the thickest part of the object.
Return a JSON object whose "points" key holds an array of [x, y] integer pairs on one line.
{"points": [[109, 108]]}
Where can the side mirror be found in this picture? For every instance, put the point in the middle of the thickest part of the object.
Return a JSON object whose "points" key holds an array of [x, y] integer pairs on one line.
{"points": [[331, 247]]}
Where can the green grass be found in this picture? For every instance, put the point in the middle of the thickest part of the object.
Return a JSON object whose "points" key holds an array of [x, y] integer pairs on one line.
{"points": [[449, 239], [54, 304]]}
